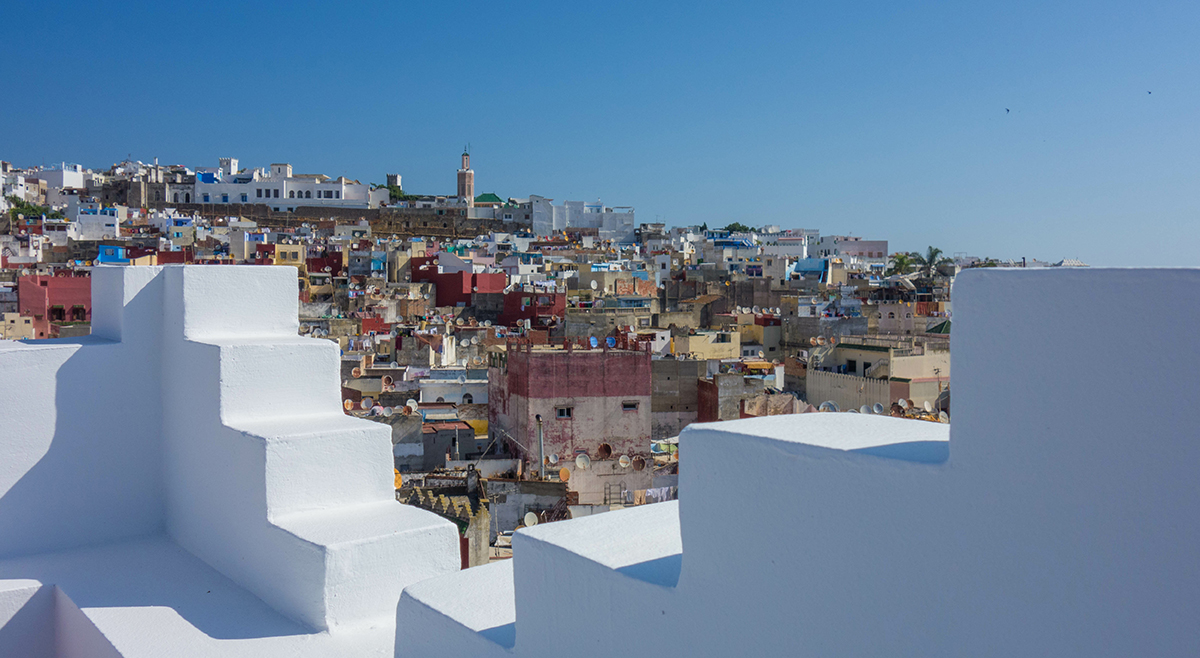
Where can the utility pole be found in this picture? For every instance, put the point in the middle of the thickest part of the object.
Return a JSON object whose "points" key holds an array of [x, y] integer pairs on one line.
{"points": [[541, 448]]}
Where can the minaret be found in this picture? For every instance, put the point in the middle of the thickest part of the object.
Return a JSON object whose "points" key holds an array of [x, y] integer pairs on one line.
{"points": [[466, 180]]}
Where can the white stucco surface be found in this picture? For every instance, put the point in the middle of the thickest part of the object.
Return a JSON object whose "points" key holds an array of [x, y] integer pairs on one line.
{"points": [[200, 443]]}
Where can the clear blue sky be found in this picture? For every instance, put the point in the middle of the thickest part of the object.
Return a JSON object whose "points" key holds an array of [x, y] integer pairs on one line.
{"points": [[880, 119]]}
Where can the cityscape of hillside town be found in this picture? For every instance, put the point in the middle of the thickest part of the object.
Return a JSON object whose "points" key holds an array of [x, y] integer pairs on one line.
{"points": [[203, 369]]}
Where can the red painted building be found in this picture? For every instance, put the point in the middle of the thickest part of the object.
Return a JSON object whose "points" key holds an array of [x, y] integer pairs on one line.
{"points": [[455, 288], [49, 299], [591, 401], [540, 308]]}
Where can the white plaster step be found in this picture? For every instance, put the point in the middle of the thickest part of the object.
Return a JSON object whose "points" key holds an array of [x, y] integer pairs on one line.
{"points": [[562, 582], [368, 554], [467, 613], [274, 377], [576, 576], [149, 598], [319, 461]]}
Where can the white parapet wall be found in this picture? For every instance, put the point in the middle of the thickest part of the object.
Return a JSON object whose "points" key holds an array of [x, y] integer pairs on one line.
{"points": [[1055, 518], [195, 442]]}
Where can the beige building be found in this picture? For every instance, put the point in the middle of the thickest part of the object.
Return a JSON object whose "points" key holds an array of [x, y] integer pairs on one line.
{"points": [[709, 345], [16, 327]]}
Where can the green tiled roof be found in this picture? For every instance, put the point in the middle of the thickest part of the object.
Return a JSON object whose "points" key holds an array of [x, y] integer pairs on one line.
{"points": [[489, 197], [939, 328]]}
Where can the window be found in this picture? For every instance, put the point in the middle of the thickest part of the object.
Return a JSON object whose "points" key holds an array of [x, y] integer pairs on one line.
{"points": [[277, 194], [852, 365], [205, 198], [244, 199], [291, 194], [187, 197], [224, 198], [629, 406], [441, 399], [258, 192], [891, 316], [308, 194], [176, 197], [563, 412], [337, 194], [467, 399]]}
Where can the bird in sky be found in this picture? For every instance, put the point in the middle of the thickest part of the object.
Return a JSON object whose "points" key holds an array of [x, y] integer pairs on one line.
{"points": [[1147, 92], [1006, 110]]}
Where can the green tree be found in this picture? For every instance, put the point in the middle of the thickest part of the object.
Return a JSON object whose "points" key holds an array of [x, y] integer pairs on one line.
{"points": [[931, 260], [738, 227], [901, 263]]}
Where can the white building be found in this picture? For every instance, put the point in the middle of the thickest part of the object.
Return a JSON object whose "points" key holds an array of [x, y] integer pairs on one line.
{"points": [[276, 187], [616, 224], [64, 177]]}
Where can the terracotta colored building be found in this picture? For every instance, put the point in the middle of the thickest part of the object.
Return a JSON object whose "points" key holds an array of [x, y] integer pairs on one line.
{"points": [[49, 299]]}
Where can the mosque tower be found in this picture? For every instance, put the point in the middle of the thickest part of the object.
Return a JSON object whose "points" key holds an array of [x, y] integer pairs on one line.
{"points": [[466, 180]]}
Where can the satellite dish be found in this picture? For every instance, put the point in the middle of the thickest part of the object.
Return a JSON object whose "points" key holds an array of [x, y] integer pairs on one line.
{"points": [[388, 411], [761, 354], [376, 410], [477, 360], [487, 323], [833, 340], [593, 342], [828, 405], [812, 341], [928, 407], [412, 404], [943, 417], [426, 295], [594, 284], [820, 340], [878, 408], [356, 372], [852, 411], [583, 462], [407, 411], [462, 380], [864, 409], [459, 322], [639, 463], [347, 404], [903, 403], [366, 403], [553, 458], [756, 310], [328, 268], [564, 474], [388, 381], [624, 461], [816, 300], [531, 519]]}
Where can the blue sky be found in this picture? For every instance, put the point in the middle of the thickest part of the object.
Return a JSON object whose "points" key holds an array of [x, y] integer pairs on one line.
{"points": [[880, 119]]}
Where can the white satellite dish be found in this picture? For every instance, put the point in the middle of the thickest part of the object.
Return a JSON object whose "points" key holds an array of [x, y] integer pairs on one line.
{"points": [[943, 417], [530, 519], [761, 354], [624, 461], [594, 284], [487, 323], [388, 411], [366, 403], [412, 404], [459, 322], [928, 407], [903, 403], [864, 409], [878, 408], [553, 458], [828, 405], [756, 310], [583, 462]]}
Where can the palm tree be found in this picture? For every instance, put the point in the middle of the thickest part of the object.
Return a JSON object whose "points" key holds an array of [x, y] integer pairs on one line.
{"points": [[901, 263], [931, 260]]}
